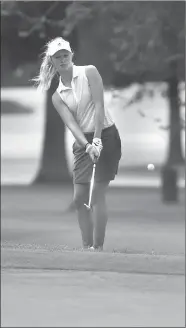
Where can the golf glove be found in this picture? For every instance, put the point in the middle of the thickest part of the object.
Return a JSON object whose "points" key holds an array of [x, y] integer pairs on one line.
{"points": [[98, 144], [93, 152]]}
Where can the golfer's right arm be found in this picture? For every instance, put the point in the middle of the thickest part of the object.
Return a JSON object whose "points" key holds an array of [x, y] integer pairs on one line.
{"points": [[68, 119]]}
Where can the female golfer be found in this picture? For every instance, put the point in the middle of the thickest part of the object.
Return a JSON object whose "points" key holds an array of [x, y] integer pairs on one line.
{"points": [[79, 101]]}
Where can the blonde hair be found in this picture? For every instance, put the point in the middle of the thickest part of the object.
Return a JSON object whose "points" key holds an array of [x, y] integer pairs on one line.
{"points": [[47, 70]]}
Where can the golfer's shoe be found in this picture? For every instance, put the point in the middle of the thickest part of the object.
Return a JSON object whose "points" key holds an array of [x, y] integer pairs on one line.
{"points": [[96, 249]]}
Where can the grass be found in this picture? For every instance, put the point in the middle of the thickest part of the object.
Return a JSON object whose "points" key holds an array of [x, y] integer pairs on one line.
{"points": [[143, 234]]}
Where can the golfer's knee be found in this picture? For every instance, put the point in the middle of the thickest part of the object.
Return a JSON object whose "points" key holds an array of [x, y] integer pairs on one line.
{"points": [[96, 200], [99, 193]]}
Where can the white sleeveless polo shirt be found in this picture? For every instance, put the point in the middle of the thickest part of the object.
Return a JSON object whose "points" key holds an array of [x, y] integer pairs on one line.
{"points": [[78, 98]]}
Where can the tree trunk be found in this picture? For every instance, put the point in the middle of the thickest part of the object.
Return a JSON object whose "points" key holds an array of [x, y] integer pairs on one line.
{"points": [[169, 184], [53, 168], [175, 157]]}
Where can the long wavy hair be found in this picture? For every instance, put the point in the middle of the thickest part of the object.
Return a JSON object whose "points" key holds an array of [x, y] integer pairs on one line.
{"points": [[47, 70]]}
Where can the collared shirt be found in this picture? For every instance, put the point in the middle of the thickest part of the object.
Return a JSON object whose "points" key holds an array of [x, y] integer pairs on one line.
{"points": [[79, 100]]}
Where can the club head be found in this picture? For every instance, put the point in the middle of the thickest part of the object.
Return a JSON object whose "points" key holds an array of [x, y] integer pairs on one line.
{"points": [[88, 207]]}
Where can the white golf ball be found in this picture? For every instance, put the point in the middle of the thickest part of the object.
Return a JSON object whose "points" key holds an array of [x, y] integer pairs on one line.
{"points": [[150, 167]]}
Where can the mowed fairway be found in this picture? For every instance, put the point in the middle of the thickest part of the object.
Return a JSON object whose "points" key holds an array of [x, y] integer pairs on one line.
{"points": [[48, 281]]}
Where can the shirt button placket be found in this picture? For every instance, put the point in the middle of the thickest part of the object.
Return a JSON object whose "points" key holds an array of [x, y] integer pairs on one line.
{"points": [[73, 90]]}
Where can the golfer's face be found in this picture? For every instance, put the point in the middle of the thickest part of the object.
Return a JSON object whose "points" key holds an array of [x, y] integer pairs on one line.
{"points": [[62, 59]]}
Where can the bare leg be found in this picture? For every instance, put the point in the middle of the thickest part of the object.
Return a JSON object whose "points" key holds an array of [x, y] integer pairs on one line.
{"points": [[84, 215], [86, 226], [100, 214]]}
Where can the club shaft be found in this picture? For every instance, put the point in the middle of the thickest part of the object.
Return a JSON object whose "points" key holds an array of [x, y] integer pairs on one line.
{"points": [[92, 184]]}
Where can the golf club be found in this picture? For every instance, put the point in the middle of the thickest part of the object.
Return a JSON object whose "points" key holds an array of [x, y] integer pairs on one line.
{"points": [[91, 188]]}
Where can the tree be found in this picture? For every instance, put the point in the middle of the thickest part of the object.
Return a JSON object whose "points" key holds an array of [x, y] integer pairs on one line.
{"points": [[25, 30], [53, 164], [147, 43]]}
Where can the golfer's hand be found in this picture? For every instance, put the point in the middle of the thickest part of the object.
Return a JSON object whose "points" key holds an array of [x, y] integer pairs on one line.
{"points": [[93, 153], [98, 144]]}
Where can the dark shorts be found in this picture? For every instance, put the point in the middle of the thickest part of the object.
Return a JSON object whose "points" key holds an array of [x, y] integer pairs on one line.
{"points": [[107, 165]]}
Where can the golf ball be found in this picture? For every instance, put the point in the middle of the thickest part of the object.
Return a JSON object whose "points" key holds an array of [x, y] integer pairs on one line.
{"points": [[150, 167]]}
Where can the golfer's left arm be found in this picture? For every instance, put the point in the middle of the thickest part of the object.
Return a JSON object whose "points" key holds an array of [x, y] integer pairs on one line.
{"points": [[96, 87]]}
